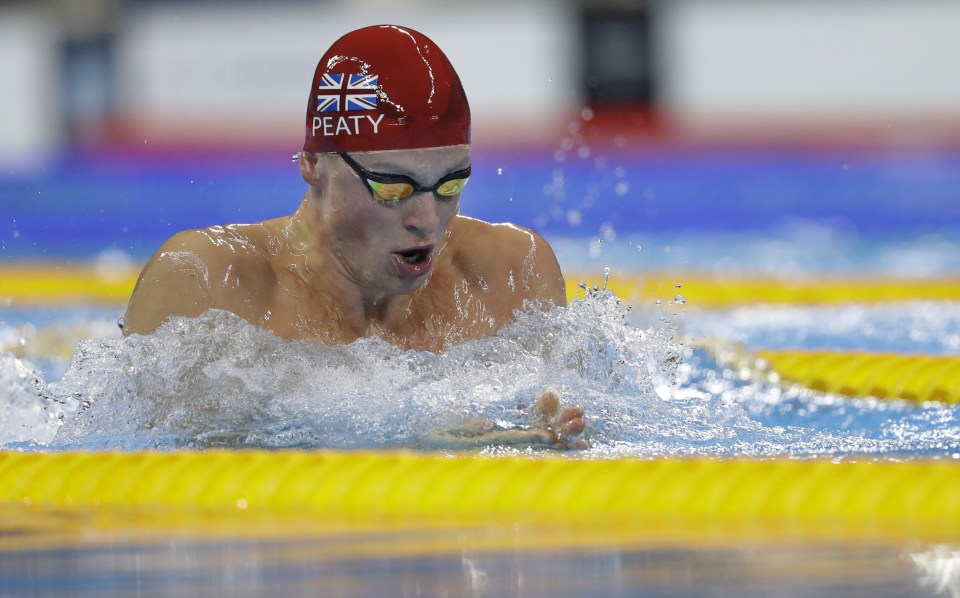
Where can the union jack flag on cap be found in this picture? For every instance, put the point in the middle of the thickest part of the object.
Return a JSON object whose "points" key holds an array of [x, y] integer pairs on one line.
{"points": [[341, 92], [415, 99]]}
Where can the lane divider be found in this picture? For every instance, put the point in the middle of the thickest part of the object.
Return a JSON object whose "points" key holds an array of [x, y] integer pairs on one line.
{"points": [[389, 490], [704, 291], [51, 283], [863, 374]]}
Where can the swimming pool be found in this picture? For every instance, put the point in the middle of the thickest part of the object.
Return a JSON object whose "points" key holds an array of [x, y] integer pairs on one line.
{"points": [[672, 383]]}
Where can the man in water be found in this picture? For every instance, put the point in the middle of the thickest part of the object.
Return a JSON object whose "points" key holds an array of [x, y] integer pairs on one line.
{"points": [[377, 246]]}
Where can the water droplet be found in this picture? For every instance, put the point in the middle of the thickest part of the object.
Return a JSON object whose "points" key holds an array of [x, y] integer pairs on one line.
{"points": [[596, 248], [499, 171], [22, 342], [680, 299], [639, 247], [677, 286], [659, 301], [583, 152], [586, 114], [621, 188], [16, 234]]}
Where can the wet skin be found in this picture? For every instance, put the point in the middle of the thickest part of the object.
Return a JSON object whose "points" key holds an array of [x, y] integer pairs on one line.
{"points": [[344, 266]]}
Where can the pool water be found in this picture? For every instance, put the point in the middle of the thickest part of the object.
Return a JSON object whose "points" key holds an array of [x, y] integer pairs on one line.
{"points": [[652, 377], [348, 567]]}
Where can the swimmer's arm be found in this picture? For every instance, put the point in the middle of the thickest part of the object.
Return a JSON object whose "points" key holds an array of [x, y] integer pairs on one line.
{"points": [[546, 282], [512, 264], [175, 282], [532, 268]]}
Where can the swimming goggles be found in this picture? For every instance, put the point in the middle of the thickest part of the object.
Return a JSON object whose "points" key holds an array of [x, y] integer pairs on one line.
{"points": [[391, 188]]}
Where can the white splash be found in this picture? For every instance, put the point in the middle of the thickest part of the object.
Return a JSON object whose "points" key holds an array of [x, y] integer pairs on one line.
{"points": [[219, 381], [25, 415]]}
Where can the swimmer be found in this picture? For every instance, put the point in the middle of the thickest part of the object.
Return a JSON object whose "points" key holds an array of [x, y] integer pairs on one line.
{"points": [[377, 246]]}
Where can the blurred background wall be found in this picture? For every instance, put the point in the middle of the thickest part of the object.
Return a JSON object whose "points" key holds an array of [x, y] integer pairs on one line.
{"points": [[82, 72], [602, 121]]}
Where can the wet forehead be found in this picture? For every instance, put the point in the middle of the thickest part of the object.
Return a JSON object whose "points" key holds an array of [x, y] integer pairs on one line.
{"points": [[427, 164]]}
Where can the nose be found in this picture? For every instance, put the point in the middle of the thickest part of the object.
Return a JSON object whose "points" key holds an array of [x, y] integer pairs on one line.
{"points": [[420, 214]]}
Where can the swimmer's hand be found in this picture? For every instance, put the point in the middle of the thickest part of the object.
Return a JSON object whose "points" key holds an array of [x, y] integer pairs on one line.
{"points": [[556, 428]]}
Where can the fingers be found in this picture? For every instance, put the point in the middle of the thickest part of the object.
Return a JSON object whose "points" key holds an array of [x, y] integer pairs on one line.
{"points": [[569, 425], [570, 422], [565, 424]]}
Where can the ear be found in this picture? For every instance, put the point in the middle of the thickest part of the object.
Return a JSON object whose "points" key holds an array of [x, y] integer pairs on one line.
{"points": [[308, 168]]}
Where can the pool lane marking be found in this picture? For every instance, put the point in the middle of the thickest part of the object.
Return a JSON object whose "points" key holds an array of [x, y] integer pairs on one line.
{"points": [[917, 378], [53, 283], [637, 501], [707, 291]]}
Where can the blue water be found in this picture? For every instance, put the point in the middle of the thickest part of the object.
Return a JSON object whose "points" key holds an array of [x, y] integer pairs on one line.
{"points": [[85, 202], [648, 377]]}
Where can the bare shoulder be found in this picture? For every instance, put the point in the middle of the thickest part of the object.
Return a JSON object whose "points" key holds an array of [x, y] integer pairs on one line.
{"points": [[193, 271], [509, 258]]}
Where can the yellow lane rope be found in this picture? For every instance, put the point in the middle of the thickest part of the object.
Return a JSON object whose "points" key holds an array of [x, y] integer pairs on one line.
{"points": [[33, 283], [28, 283], [880, 375], [345, 491], [704, 291]]}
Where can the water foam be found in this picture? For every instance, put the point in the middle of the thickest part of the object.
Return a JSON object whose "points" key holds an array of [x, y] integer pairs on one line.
{"points": [[25, 415], [219, 381]]}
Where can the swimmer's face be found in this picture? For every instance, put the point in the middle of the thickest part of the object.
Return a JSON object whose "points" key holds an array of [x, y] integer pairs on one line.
{"points": [[391, 246]]}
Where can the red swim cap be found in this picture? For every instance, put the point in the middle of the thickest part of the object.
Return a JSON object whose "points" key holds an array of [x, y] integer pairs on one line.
{"points": [[385, 88]]}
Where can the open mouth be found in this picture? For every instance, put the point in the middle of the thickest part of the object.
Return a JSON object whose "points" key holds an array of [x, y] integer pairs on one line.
{"points": [[415, 256], [414, 262]]}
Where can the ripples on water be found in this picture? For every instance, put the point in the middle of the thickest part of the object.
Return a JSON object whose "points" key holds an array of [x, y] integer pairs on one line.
{"points": [[218, 381]]}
